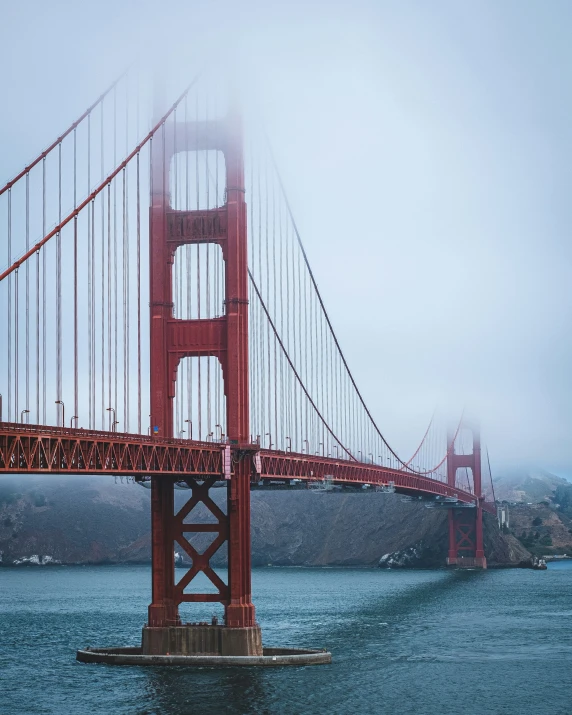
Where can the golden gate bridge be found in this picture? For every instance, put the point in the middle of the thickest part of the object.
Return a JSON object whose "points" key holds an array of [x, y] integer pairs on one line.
{"points": [[161, 320]]}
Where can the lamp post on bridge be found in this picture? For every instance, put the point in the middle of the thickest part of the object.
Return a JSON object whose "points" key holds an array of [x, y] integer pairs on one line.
{"points": [[336, 448], [289, 447], [59, 402], [269, 435], [371, 455], [112, 409], [24, 412], [305, 441], [221, 433], [322, 444], [75, 417], [190, 428]]}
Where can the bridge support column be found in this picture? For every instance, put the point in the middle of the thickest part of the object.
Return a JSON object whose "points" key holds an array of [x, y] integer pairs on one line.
{"points": [[226, 338], [466, 538], [466, 523]]}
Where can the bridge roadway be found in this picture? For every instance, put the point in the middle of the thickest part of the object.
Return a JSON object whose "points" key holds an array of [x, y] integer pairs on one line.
{"points": [[37, 449]]}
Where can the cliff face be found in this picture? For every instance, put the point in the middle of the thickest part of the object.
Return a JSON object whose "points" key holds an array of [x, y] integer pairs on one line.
{"points": [[94, 520]]}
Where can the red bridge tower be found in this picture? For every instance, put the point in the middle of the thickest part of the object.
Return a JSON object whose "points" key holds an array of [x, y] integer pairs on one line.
{"points": [[226, 338], [465, 523]]}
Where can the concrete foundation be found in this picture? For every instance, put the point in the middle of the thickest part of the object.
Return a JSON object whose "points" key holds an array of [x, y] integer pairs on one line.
{"points": [[270, 657], [467, 562], [199, 639]]}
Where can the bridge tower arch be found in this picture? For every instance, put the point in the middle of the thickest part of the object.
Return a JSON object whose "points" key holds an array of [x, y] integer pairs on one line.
{"points": [[466, 523]]}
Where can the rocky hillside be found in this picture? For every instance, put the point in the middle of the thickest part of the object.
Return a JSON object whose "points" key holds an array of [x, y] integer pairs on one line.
{"points": [[528, 485], [539, 508], [95, 520], [541, 528]]}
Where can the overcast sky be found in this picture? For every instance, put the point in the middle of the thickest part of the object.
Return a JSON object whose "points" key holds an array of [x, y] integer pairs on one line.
{"points": [[426, 151]]}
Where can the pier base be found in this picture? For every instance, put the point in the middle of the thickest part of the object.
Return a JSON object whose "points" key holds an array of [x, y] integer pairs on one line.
{"points": [[467, 562], [203, 645], [201, 639], [270, 657]]}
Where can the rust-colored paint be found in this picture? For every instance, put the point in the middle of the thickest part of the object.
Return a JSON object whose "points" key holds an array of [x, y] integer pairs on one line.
{"points": [[466, 525], [225, 338]]}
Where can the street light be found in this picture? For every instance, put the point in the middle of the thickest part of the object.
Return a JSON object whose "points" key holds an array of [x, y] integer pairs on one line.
{"points": [[220, 427], [75, 417], [371, 455], [322, 444], [269, 435], [59, 402], [336, 448], [24, 412], [307, 446], [210, 434], [113, 427], [289, 447], [112, 409], [190, 428], [181, 433]]}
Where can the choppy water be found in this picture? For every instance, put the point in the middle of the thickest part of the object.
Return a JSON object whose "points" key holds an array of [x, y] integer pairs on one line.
{"points": [[424, 642]]}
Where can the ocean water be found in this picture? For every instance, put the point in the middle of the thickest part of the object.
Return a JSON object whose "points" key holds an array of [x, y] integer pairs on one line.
{"points": [[403, 642]]}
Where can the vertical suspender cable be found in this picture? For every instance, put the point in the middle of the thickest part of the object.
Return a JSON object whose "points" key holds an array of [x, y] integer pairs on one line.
{"points": [[266, 220], [178, 418], [44, 302], [126, 265], [59, 287], [75, 340], [199, 386], [138, 272], [109, 320], [37, 337], [208, 277], [188, 273], [9, 306], [124, 291], [138, 297], [102, 200], [16, 364], [27, 297], [89, 254], [260, 274], [115, 365], [275, 312], [94, 366], [219, 420]]}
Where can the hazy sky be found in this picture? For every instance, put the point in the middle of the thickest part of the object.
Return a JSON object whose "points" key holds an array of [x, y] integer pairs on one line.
{"points": [[426, 150]]}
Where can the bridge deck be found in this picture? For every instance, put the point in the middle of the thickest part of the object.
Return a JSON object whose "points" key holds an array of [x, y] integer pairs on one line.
{"points": [[35, 449]]}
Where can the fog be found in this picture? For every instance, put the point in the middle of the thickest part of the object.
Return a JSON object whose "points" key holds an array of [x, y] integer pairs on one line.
{"points": [[425, 149]]}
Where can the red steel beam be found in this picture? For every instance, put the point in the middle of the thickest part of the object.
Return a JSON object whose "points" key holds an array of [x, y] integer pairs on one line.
{"points": [[34, 449], [287, 465]]}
